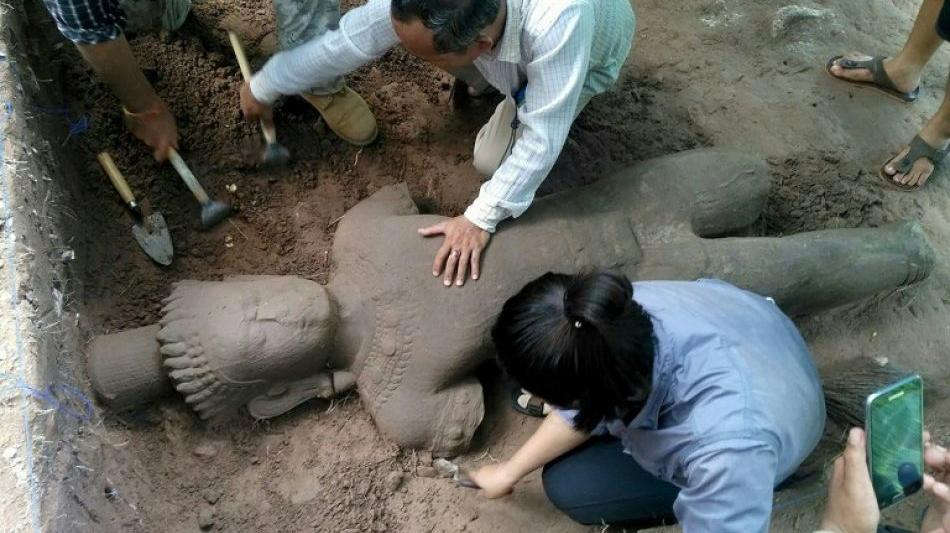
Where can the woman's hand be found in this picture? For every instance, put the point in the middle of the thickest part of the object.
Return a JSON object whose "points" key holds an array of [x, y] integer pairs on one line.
{"points": [[495, 480], [553, 438]]}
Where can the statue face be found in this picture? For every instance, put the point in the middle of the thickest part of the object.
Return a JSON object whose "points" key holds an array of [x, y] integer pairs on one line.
{"points": [[252, 329], [289, 327]]}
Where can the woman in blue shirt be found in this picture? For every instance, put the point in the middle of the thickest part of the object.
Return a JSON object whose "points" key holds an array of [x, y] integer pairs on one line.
{"points": [[702, 398]]}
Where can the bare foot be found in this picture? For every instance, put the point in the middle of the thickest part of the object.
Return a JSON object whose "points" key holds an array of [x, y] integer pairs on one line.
{"points": [[903, 81], [921, 170]]}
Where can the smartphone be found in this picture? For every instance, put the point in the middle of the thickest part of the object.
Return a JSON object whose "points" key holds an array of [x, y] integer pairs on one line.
{"points": [[895, 426]]}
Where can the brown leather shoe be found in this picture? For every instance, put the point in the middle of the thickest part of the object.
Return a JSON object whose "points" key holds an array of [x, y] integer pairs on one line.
{"points": [[347, 114]]}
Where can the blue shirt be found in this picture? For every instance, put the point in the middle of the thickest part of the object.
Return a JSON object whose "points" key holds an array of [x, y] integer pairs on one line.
{"points": [[736, 404]]}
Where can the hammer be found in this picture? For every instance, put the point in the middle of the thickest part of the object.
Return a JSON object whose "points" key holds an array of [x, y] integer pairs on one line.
{"points": [[274, 154], [212, 211]]}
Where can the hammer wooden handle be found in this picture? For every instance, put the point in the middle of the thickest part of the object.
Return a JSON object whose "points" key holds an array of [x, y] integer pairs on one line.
{"points": [[118, 181], [241, 56], [270, 133], [186, 175]]}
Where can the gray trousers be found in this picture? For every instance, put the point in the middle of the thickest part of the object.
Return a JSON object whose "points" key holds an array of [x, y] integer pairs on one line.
{"points": [[298, 21]]}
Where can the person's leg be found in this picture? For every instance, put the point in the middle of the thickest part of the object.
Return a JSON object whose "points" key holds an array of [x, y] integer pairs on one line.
{"points": [[149, 16], [904, 69], [496, 139], [299, 21], [344, 111], [936, 133], [600, 484]]}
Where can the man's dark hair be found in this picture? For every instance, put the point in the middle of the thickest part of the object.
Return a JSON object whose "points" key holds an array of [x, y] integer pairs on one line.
{"points": [[579, 342], [455, 24]]}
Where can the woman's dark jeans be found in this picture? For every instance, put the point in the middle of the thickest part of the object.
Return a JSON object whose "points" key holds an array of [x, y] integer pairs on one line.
{"points": [[599, 483]]}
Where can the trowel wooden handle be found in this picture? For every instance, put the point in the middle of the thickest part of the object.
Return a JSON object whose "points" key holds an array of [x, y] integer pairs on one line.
{"points": [[186, 175], [241, 56], [117, 179]]}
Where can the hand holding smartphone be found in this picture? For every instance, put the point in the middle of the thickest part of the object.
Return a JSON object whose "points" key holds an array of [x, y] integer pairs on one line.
{"points": [[895, 425]]}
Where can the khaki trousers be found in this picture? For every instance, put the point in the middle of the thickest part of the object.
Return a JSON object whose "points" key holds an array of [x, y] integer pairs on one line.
{"points": [[497, 138]]}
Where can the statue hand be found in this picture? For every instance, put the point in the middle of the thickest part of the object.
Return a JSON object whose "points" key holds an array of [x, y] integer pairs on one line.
{"points": [[462, 248]]}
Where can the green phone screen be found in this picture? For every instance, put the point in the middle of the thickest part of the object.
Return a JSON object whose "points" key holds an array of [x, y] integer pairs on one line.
{"points": [[895, 442]]}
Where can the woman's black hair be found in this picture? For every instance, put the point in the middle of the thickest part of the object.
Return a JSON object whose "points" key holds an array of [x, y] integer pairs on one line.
{"points": [[579, 342]]}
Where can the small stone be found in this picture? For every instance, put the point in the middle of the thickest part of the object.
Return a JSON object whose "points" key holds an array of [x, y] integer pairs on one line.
{"points": [[206, 451], [206, 518], [427, 471], [211, 496], [444, 467], [394, 481], [254, 460], [683, 66]]}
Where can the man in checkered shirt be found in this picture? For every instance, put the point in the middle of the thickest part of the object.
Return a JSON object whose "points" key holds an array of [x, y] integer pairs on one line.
{"points": [[98, 27], [547, 57]]}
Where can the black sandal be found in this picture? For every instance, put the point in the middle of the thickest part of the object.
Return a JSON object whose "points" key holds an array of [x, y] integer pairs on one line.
{"points": [[881, 82], [918, 149], [534, 408]]}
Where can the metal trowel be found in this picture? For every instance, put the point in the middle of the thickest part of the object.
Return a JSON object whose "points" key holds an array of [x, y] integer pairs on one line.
{"points": [[149, 229], [458, 474]]}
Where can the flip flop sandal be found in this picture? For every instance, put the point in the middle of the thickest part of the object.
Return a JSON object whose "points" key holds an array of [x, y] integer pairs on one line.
{"points": [[918, 149], [882, 82], [535, 406]]}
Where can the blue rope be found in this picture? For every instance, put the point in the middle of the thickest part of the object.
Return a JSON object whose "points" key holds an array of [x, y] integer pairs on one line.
{"points": [[76, 127], [52, 394]]}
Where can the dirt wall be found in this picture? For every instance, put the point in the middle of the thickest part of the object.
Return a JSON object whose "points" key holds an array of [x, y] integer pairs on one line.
{"points": [[44, 407]]}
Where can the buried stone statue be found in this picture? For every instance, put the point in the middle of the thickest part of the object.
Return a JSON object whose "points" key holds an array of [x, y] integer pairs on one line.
{"points": [[410, 346]]}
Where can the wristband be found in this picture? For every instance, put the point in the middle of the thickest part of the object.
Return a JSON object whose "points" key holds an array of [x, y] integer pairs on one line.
{"points": [[144, 114]]}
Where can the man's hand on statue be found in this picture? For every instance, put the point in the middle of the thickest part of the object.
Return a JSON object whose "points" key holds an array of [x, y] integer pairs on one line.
{"points": [[462, 249], [155, 126], [937, 483], [253, 109], [494, 480]]}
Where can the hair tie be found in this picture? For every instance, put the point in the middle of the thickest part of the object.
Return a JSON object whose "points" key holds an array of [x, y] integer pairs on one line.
{"points": [[578, 324]]}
